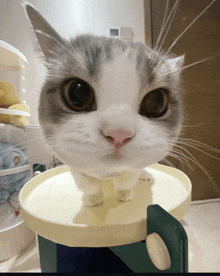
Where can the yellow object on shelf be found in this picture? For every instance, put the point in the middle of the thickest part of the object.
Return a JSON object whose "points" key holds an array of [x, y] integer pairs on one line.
{"points": [[9, 98], [8, 95], [19, 121], [4, 118]]}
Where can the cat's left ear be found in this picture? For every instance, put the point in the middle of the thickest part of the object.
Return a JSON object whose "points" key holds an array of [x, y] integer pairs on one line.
{"points": [[48, 38], [176, 63]]}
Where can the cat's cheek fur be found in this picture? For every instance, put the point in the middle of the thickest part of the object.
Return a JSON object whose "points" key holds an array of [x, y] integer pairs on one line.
{"points": [[81, 139]]}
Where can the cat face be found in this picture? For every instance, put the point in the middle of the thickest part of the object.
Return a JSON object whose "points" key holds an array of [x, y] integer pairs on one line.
{"points": [[107, 102]]}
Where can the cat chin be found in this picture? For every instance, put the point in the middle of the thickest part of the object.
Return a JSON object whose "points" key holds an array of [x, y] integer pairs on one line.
{"points": [[98, 166], [101, 169]]}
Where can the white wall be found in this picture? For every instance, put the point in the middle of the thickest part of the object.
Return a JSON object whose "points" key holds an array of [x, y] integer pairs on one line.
{"points": [[115, 13], [68, 17]]}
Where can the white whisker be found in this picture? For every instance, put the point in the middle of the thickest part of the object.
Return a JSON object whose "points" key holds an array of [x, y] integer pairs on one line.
{"points": [[176, 151], [183, 156], [189, 145], [171, 22], [168, 162], [163, 26], [193, 160], [176, 40], [190, 142], [172, 13], [165, 16], [176, 156], [190, 126], [187, 66]]}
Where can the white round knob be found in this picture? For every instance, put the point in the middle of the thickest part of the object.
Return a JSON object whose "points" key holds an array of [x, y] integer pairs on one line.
{"points": [[37, 173], [158, 251]]}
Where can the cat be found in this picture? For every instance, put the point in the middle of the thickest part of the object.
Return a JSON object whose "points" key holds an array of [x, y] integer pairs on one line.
{"points": [[105, 109]]}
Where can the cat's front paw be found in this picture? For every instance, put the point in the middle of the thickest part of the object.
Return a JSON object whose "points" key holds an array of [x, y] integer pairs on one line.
{"points": [[124, 195], [92, 200], [145, 176]]}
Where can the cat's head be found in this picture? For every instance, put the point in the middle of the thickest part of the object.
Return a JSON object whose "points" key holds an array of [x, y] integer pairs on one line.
{"points": [[107, 102]]}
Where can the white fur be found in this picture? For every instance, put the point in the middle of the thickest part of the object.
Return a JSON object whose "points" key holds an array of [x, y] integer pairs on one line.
{"points": [[86, 150], [78, 139]]}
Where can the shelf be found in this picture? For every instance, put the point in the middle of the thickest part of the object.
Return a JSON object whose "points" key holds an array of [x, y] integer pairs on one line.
{"points": [[14, 112], [9, 56], [14, 170]]}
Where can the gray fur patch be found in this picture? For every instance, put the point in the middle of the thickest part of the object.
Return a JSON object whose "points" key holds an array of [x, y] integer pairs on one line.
{"points": [[85, 55], [98, 50], [50, 108], [91, 49], [144, 65]]}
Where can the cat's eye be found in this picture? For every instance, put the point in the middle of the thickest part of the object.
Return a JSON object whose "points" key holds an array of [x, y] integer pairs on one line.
{"points": [[78, 95], [17, 160], [155, 103]]}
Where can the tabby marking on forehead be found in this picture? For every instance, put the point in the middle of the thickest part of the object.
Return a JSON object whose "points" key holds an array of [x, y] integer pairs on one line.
{"points": [[98, 50]]}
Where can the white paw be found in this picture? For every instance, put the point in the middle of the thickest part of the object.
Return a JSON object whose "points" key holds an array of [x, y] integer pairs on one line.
{"points": [[124, 195], [92, 200], [146, 176]]}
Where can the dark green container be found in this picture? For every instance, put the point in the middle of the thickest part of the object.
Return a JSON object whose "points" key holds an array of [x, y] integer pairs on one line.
{"points": [[126, 258]]}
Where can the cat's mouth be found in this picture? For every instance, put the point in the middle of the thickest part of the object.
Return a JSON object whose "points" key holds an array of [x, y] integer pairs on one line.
{"points": [[114, 157]]}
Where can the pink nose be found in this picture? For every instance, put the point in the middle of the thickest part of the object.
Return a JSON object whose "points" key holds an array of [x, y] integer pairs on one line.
{"points": [[118, 137]]}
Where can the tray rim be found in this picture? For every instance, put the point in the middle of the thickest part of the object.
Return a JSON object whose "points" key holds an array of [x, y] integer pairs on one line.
{"points": [[33, 221]]}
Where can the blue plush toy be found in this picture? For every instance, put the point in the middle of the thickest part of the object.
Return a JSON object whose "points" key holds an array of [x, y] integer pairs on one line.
{"points": [[12, 157]]}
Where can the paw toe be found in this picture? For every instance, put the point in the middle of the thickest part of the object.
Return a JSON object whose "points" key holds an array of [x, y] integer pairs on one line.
{"points": [[91, 200], [145, 176], [125, 195]]}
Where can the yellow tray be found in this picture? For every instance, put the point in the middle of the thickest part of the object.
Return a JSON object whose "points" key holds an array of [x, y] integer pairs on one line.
{"points": [[52, 208]]}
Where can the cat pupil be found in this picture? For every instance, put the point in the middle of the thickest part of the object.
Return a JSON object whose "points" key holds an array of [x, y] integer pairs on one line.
{"points": [[78, 95], [154, 104]]}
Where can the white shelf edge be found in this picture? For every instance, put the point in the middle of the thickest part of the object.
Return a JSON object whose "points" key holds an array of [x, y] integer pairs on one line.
{"points": [[14, 170], [14, 112], [12, 49]]}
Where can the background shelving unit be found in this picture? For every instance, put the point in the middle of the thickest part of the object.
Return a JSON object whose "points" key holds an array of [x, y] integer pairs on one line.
{"points": [[15, 236]]}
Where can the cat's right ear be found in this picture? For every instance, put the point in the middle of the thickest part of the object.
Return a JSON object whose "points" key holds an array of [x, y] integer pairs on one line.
{"points": [[48, 38]]}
